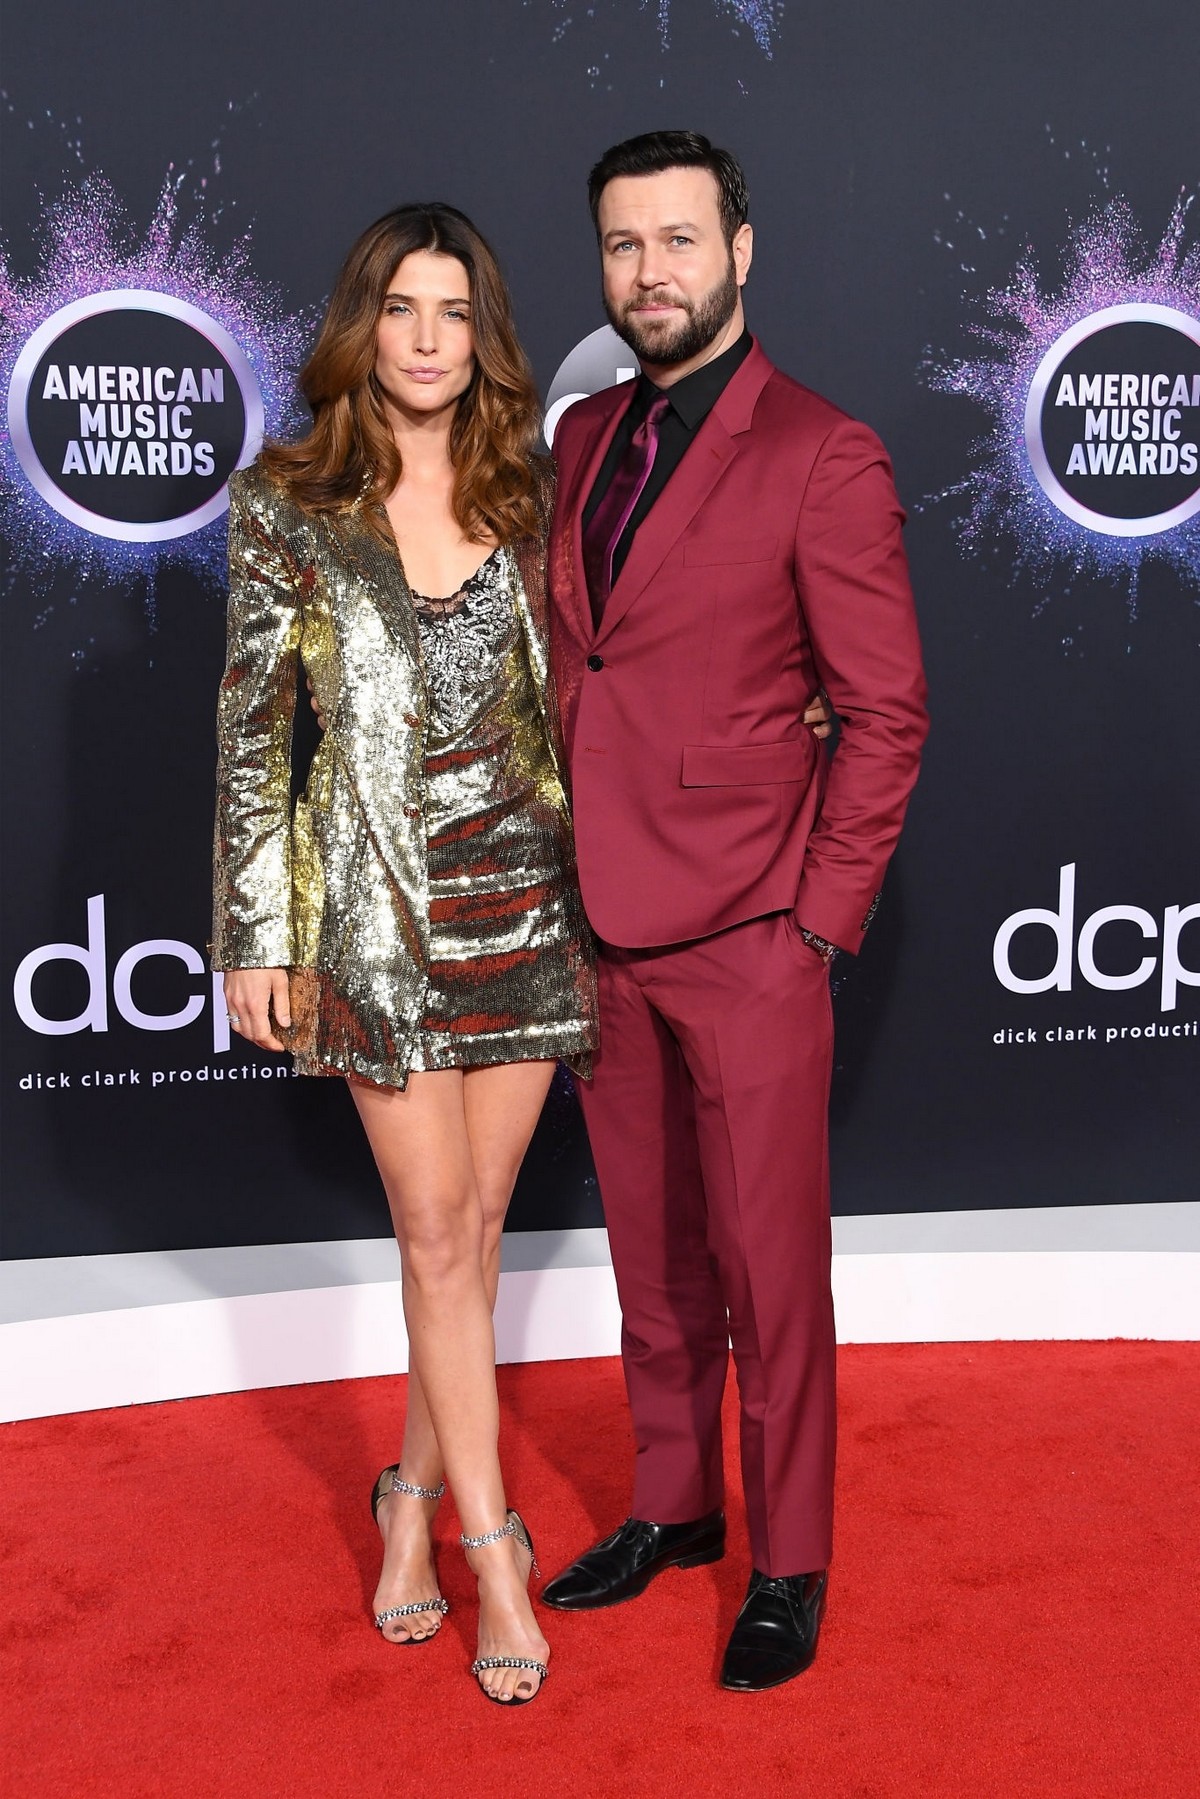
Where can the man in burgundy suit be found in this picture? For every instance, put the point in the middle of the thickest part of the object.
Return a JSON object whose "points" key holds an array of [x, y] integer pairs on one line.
{"points": [[725, 542]]}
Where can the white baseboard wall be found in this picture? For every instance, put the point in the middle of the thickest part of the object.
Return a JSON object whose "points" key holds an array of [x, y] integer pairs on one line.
{"points": [[132, 1354]]}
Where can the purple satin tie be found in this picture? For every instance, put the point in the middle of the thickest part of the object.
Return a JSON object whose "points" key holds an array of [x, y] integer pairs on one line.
{"points": [[611, 516]]}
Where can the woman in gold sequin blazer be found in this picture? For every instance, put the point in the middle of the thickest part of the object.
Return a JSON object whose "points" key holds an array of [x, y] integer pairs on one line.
{"points": [[413, 923]]}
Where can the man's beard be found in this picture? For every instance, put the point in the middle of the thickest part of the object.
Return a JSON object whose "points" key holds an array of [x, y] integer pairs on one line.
{"points": [[706, 319]]}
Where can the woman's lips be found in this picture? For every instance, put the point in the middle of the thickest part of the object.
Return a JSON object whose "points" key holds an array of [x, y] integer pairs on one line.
{"points": [[424, 374]]}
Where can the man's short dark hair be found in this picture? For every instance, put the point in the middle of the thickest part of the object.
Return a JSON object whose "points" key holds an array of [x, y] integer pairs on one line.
{"points": [[655, 151]]}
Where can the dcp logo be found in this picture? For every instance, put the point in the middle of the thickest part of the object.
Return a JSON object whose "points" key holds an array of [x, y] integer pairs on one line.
{"points": [[1113, 419], [129, 410], [92, 957], [1068, 949]]}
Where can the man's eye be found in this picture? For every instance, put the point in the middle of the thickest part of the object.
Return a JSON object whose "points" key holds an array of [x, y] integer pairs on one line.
{"points": [[681, 240]]}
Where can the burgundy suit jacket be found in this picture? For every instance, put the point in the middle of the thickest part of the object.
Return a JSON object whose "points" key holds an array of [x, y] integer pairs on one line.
{"points": [[771, 564]]}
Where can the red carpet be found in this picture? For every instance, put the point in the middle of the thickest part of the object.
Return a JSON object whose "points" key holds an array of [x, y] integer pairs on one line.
{"points": [[1013, 1608]]}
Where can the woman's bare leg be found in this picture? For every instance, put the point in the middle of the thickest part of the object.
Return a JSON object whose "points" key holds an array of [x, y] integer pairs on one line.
{"points": [[498, 1138], [406, 1524], [499, 1134], [502, 1108], [447, 1219]]}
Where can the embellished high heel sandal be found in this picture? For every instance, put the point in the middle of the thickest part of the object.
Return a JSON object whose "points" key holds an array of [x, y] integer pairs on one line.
{"points": [[390, 1482], [515, 1527]]}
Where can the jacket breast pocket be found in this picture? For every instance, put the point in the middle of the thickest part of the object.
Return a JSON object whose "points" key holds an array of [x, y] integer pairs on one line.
{"points": [[748, 764], [703, 552]]}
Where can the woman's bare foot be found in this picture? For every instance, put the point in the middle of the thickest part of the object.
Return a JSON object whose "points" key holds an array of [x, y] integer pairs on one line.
{"points": [[507, 1626], [408, 1574]]}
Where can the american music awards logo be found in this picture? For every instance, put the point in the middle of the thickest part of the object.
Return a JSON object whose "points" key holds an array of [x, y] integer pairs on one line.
{"points": [[137, 376], [1113, 417], [129, 410], [1090, 463]]}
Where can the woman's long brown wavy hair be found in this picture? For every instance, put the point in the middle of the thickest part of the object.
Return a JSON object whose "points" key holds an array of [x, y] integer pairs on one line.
{"points": [[350, 453]]}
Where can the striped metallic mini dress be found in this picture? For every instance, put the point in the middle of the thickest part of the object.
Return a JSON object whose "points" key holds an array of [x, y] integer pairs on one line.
{"points": [[510, 946]]}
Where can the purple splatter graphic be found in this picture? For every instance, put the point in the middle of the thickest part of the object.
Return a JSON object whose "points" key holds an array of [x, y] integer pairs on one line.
{"points": [[87, 246], [1107, 261], [761, 18]]}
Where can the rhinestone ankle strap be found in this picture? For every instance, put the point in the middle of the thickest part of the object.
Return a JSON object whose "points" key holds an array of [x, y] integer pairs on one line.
{"points": [[490, 1536], [406, 1486]]}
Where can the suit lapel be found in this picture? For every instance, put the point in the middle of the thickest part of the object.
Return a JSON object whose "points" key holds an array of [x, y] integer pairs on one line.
{"points": [[719, 439], [702, 467], [378, 566], [577, 487]]}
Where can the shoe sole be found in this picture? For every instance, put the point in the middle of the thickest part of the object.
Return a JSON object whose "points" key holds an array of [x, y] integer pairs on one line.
{"points": [[699, 1559], [766, 1686]]}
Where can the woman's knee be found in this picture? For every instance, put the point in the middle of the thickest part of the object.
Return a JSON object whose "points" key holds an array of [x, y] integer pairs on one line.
{"points": [[440, 1241]]}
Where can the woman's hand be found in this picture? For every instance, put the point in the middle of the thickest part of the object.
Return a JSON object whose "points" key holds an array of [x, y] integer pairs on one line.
{"points": [[315, 703], [248, 993], [818, 715]]}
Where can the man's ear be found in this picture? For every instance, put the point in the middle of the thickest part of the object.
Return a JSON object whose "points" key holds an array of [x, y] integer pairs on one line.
{"points": [[742, 251]]}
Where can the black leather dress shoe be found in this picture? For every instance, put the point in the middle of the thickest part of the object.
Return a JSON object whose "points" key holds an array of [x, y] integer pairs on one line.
{"points": [[775, 1637], [624, 1564]]}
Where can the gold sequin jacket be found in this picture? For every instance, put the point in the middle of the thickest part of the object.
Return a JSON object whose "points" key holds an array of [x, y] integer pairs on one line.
{"points": [[335, 887]]}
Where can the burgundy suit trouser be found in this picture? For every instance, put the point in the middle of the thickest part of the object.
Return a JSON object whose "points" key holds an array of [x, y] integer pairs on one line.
{"points": [[708, 1120]]}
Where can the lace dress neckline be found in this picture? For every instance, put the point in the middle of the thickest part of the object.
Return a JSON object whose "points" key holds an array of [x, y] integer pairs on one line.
{"points": [[451, 604]]}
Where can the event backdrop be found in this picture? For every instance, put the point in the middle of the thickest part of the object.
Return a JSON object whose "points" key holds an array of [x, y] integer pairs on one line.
{"points": [[974, 229]]}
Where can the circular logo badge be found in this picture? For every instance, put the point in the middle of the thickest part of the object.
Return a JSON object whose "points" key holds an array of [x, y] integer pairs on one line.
{"points": [[1112, 422], [129, 410], [601, 360]]}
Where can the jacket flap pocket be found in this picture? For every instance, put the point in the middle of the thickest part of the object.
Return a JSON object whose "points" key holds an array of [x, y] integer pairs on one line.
{"points": [[706, 551], [748, 764]]}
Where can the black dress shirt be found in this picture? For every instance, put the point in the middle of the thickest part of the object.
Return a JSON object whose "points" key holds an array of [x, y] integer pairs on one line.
{"points": [[692, 399]]}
